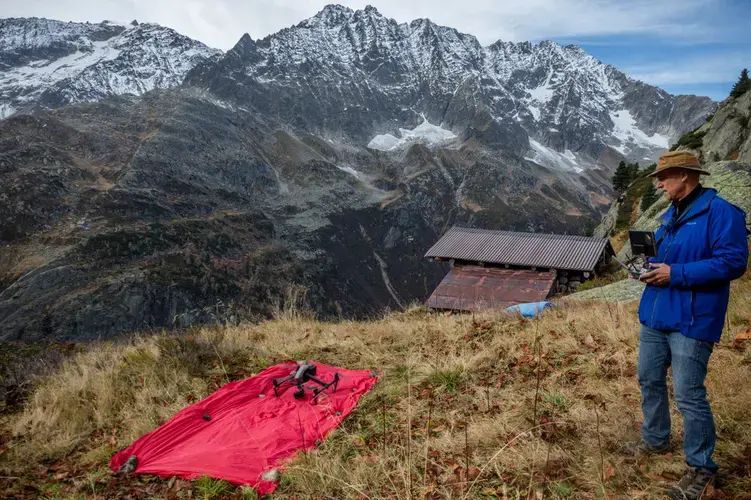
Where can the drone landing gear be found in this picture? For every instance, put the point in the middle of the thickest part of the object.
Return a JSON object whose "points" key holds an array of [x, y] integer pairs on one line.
{"points": [[306, 373]]}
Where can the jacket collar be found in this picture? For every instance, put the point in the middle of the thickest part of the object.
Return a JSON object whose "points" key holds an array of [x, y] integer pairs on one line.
{"points": [[698, 207]]}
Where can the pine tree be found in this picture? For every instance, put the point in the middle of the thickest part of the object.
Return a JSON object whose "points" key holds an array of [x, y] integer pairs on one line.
{"points": [[649, 197], [742, 86], [633, 170], [622, 177]]}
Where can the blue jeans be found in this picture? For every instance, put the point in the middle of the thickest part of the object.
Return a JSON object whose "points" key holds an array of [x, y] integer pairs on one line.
{"points": [[689, 357]]}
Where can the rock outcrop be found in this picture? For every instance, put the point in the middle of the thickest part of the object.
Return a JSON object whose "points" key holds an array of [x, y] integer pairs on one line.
{"points": [[621, 291], [728, 136]]}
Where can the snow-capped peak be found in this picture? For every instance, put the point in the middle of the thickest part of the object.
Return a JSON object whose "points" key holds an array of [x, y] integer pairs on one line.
{"points": [[330, 15], [342, 60], [562, 97], [49, 63]]}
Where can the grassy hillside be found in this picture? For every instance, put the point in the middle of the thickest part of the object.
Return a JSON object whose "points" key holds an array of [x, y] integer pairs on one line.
{"points": [[470, 406]]}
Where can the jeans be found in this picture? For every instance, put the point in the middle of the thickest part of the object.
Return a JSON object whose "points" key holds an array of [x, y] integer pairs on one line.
{"points": [[689, 358]]}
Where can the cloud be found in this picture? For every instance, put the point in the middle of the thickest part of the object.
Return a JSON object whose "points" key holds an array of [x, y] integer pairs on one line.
{"points": [[220, 23], [704, 69]]}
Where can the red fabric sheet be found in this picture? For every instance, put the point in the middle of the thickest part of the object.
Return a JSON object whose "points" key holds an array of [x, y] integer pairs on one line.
{"points": [[247, 434]]}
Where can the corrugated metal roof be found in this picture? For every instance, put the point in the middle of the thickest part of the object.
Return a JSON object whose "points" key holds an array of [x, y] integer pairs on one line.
{"points": [[554, 251], [474, 288]]}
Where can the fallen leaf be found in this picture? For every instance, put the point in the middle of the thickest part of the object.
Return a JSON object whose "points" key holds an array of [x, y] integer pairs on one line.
{"points": [[474, 473], [608, 472]]}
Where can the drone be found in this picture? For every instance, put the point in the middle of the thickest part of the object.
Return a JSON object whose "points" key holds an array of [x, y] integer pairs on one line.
{"points": [[305, 372]]}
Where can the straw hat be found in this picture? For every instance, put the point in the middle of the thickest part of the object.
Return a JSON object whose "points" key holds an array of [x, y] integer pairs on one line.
{"points": [[678, 159]]}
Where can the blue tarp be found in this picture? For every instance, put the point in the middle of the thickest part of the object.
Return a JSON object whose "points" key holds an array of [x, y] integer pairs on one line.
{"points": [[530, 310]]}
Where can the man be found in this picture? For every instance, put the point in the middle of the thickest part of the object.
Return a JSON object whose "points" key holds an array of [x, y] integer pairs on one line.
{"points": [[702, 247]]}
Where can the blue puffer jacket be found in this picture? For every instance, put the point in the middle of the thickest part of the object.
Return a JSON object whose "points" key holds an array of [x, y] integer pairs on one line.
{"points": [[706, 248]]}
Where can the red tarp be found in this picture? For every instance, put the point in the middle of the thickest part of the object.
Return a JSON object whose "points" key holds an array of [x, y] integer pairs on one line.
{"points": [[250, 431]]}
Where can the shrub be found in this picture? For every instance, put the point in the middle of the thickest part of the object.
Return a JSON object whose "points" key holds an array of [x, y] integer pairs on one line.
{"points": [[691, 140]]}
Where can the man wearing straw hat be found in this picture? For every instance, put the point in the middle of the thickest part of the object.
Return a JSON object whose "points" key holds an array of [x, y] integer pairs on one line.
{"points": [[702, 247]]}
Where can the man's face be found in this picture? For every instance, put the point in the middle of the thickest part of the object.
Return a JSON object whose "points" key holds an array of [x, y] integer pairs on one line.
{"points": [[672, 183]]}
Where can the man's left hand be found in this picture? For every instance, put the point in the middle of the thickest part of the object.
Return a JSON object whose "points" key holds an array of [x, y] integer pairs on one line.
{"points": [[659, 276]]}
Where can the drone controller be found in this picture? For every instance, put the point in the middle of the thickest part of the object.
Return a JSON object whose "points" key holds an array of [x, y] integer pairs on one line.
{"points": [[638, 272], [643, 246]]}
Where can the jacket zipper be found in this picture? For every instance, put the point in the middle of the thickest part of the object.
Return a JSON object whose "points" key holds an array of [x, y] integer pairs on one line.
{"points": [[672, 237]]}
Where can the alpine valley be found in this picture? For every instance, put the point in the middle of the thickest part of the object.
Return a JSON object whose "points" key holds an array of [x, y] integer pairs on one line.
{"points": [[149, 181]]}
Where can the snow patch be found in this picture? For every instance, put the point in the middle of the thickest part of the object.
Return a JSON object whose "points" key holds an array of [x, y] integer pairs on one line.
{"points": [[535, 112], [541, 94], [385, 142], [570, 155], [50, 72], [544, 92], [426, 132], [6, 110], [626, 130], [553, 159], [355, 173]]}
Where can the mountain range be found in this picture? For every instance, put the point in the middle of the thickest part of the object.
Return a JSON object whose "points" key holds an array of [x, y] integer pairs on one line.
{"points": [[150, 181], [47, 63]]}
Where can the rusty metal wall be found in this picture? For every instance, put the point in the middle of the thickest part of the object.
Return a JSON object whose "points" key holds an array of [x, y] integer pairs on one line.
{"points": [[474, 288]]}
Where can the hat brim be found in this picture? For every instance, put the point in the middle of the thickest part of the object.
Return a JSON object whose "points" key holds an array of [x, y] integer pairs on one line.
{"points": [[695, 169]]}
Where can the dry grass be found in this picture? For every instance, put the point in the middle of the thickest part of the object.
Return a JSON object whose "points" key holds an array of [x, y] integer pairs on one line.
{"points": [[468, 406]]}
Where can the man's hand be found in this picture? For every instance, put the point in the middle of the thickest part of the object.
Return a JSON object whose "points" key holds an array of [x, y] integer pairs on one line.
{"points": [[660, 276]]}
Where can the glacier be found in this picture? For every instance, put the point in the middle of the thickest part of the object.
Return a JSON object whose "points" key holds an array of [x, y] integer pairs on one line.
{"points": [[433, 135]]}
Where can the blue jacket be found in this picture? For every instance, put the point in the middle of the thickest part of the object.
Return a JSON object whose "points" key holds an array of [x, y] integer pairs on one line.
{"points": [[706, 248]]}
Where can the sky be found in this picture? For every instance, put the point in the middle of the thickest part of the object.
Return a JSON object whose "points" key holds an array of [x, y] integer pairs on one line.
{"points": [[684, 46]]}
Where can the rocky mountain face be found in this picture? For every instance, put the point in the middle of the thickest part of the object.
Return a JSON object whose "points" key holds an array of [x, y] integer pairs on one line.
{"points": [[327, 157], [556, 105], [728, 135], [46, 63]]}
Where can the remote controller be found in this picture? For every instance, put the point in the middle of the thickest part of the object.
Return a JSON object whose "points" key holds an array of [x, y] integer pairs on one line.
{"points": [[646, 268]]}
